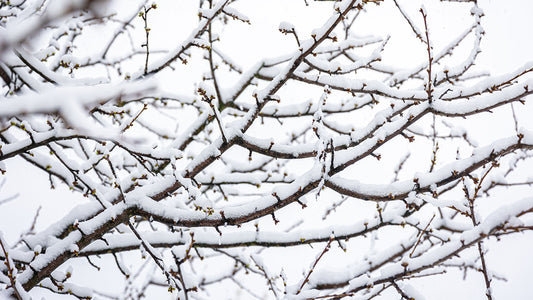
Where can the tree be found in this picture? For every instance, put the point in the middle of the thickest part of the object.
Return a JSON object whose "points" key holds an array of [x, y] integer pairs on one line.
{"points": [[349, 158]]}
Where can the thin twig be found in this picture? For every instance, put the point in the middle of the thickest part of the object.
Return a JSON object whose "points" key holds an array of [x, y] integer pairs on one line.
{"points": [[10, 269], [429, 89], [326, 249], [420, 236]]}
